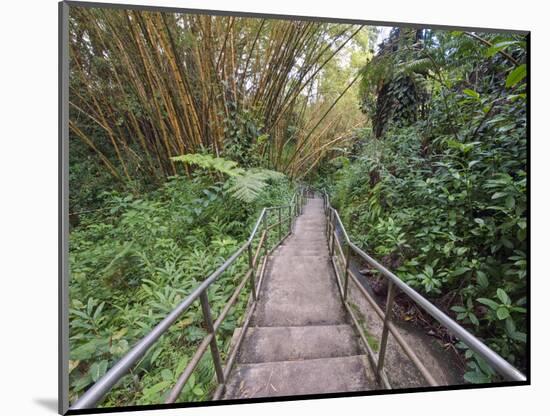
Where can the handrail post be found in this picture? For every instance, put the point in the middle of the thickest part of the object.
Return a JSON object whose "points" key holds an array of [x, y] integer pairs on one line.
{"points": [[213, 344], [253, 273], [346, 272], [385, 329], [327, 222], [266, 237], [329, 229], [332, 234], [290, 218], [280, 224]]}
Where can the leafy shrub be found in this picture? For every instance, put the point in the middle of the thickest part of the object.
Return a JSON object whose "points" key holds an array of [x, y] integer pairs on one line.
{"points": [[133, 262], [445, 197]]}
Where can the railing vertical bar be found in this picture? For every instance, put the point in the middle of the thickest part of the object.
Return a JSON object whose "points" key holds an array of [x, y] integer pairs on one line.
{"points": [[280, 224], [334, 237], [205, 305], [326, 222], [330, 231], [266, 230], [252, 268], [385, 329], [290, 218], [346, 272]]}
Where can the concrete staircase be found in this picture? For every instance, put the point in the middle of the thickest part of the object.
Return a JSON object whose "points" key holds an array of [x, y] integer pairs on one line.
{"points": [[300, 341]]}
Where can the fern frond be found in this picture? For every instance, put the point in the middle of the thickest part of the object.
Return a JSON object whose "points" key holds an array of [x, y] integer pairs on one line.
{"points": [[247, 187], [244, 185], [269, 174], [419, 66], [219, 164]]}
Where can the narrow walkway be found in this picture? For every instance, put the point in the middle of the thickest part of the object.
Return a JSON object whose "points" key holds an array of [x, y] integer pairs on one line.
{"points": [[300, 341]]}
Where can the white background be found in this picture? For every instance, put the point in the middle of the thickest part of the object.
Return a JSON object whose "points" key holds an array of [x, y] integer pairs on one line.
{"points": [[28, 205]]}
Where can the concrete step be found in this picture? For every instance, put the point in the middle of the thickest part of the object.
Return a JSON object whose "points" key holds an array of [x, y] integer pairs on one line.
{"points": [[299, 291], [290, 378], [268, 344], [315, 242], [320, 250], [299, 341]]}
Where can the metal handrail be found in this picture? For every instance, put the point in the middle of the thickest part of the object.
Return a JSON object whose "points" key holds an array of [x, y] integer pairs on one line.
{"points": [[495, 361], [95, 393]]}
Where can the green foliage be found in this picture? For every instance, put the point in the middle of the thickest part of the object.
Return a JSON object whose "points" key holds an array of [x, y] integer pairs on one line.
{"points": [[207, 161], [442, 201], [395, 85], [248, 186], [244, 185], [134, 261], [517, 75]]}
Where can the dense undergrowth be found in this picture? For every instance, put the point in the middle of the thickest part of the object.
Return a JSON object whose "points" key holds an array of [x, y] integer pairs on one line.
{"points": [[441, 198], [133, 263]]}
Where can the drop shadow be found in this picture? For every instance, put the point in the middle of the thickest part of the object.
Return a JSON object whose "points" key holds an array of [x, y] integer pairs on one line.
{"points": [[48, 404]]}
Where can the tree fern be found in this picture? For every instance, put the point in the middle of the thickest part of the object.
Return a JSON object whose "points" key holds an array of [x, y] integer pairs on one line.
{"points": [[247, 187], [244, 185], [218, 164]]}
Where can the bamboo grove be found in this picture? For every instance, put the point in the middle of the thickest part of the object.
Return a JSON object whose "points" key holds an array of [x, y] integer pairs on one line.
{"points": [[157, 85]]}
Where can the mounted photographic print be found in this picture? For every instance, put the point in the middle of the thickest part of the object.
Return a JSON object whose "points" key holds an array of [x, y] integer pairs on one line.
{"points": [[260, 207]]}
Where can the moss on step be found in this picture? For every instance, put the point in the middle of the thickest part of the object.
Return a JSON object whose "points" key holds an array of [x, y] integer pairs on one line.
{"points": [[373, 342]]}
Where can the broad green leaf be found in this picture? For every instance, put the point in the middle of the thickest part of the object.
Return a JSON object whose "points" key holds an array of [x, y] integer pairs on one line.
{"points": [[497, 195], [460, 271], [119, 334], [473, 318], [501, 294], [157, 388], [98, 310], [519, 336], [90, 306], [181, 365], [510, 326], [488, 302], [476, 377], [86, 351], [82, 382], [97, 370], [516, 75], [471, 93], [482, 279], [156, 354], [119, 348], [497, 47], [167, 374], [502, 313], [79, 313]]}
